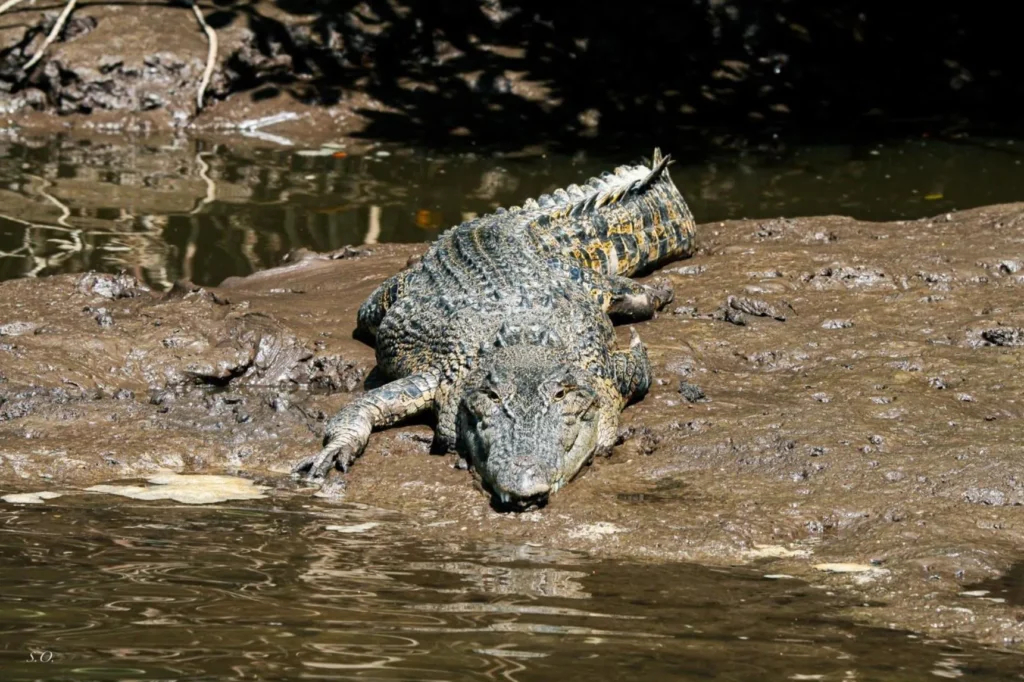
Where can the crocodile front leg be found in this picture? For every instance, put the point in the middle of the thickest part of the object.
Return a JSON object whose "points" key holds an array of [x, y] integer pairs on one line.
{"points": [[628, 380], [631, 369], [348, 431]]}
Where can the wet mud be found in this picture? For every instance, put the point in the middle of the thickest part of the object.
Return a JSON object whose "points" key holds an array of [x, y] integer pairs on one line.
{"points": [[834, 400]]}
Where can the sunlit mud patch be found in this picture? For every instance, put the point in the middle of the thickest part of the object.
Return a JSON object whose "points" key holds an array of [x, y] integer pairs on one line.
{"points": [[188, 489], [30, 498]]}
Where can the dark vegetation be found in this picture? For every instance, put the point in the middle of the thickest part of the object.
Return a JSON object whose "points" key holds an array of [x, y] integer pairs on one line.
{"points": [[721, 71]]}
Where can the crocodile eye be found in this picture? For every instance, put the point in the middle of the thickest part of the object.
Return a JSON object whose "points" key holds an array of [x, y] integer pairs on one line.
{"points": [[563, 390], [492, 395]]}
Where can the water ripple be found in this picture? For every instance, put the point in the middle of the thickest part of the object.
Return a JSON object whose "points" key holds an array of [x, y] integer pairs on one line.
{"points": [[159, 592]]}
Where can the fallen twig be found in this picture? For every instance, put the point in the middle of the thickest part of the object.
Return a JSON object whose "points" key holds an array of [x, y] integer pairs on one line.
{"points": [[267, 137], [253, 127], [9, 4], [52, 36], [211, 54], [252, 124]]}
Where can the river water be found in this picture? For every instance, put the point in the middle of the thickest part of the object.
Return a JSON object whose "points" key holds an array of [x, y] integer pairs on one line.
{"points": [[283, 589], [166, 209]]}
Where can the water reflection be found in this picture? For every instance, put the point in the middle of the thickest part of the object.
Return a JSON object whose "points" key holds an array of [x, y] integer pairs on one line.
{"points": [[167, 209], [268, 591]]}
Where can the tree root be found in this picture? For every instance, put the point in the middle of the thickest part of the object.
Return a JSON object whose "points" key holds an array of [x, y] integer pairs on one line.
{"points": [[9, 4], [211, 55], [52, 35]]}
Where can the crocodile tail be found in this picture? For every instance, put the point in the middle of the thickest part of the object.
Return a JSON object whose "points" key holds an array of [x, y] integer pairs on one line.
{"points": [[629, 222], [619, 192], [659, 164], [623, 222]]}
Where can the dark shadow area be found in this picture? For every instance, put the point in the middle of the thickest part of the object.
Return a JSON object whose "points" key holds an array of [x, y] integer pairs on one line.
{"points": [[1008, 587], [693, 74]]}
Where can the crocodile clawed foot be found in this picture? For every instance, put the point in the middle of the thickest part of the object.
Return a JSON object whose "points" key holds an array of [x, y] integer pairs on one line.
{"points": [[314, 469], [310, 470]]}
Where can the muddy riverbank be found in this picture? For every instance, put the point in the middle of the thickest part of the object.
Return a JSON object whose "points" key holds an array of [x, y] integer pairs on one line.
{"points": [[828, 392], [278, 74]]}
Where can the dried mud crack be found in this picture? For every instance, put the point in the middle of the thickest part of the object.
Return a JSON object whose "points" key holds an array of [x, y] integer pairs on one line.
{"points": [[859, 429]]}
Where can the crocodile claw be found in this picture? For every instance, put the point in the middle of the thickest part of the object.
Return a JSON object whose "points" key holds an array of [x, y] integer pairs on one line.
{"points": [[662, 290], [634, 339], [316, 467]]}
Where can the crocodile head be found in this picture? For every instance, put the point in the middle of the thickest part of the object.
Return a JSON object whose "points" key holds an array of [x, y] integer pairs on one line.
{"points": [[527, 422]]}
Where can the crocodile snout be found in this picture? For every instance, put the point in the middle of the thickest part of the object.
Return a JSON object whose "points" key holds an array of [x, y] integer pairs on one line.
{"points": [[530, 488]]}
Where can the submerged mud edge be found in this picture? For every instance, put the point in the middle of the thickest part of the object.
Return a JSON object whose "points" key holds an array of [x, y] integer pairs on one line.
{"points": [[827, 393]]}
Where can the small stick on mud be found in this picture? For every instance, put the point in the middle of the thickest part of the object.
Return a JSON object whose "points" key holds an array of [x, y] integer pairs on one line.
{"points": [[211, 55], [52, 36]]}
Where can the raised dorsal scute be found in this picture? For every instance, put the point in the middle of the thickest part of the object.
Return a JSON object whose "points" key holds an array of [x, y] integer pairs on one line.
{"points": [[507, 335], [575, 192], [550, 339]]}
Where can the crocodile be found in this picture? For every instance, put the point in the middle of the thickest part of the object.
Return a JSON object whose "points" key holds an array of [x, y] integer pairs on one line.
{"points": [[504, 330]]}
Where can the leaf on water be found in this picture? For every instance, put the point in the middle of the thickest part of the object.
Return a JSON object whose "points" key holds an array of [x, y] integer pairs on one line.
{"points": [[427, 219]]}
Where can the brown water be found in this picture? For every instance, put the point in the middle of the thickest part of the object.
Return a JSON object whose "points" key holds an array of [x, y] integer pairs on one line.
{"points": [[194, 209], [265, 590]]}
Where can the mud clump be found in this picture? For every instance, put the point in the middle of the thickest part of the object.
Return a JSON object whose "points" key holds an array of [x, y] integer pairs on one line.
{"points": [[692, 393], [102, 375], [756, 307], [1002, 336], [111, 287]]}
